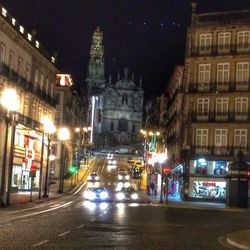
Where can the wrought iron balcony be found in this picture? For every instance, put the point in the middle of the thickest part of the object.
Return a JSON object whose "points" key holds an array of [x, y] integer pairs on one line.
{"points": [[216, 151], [221, 117], [215, 87], [218, 50], [23, 83]]}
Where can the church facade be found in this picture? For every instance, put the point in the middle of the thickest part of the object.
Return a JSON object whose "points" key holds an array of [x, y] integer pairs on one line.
{"points": [[115, 107]]}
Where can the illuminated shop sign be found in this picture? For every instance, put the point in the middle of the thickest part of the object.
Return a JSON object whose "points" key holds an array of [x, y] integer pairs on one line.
{"points": [[64, 80]]}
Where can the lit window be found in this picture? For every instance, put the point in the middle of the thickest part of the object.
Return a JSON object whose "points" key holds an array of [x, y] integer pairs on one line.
{"points": [[13, 20], [37, 44], [243, 40], [205, 43], [29, 37], [21, 29], [53, 59], [4, 12]]}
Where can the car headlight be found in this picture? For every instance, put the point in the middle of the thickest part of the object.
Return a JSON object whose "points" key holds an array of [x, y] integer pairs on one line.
{"points": [[119, 177], [109, 162], [96, 184], [89, 178], [126, 184], [120, 196], [104, 195], [114, 162], [127, 177], [134, 196], [97, 178], [89, 195], [90, 184]]}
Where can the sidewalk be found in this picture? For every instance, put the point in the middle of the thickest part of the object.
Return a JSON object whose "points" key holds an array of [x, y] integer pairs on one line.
{"points": [[240, 239], [24, 197]]}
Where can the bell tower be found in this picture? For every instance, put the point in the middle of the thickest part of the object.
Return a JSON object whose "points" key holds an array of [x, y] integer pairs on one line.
{"points": [[95, 80]]}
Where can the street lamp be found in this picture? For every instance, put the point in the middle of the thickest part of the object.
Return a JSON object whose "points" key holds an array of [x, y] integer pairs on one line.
{"points": [[149, 147], [10, 101], [49, 128], [63, 135]]}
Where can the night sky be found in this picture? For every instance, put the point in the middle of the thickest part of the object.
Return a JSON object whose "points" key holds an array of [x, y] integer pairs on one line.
{"points": [[147, 36]]}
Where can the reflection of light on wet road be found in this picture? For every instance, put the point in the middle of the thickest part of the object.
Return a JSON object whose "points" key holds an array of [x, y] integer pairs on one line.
{"points": [[103, 205], [121, 210], [134, 205], [89, 205], [120, 206]]}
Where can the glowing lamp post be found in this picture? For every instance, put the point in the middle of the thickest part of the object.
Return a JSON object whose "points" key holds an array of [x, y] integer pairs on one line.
{"points": [[10, 101], [49, 128], [63, 135]]}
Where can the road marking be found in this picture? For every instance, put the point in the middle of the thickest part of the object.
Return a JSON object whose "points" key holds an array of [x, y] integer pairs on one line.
{"points": [[92, 220], [222, 240], [62, 234], [44, 211], [82, 225], [40, 243]]}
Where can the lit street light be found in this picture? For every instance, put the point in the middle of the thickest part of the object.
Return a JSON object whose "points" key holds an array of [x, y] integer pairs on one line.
{"points": [[63, 135], [49, 128], [10, 101]]}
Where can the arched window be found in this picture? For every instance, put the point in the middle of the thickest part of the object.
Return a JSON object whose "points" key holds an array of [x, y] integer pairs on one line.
{"points": [[2, 52], [133, 129], [123, 125], [124, 99], [112, 126]]}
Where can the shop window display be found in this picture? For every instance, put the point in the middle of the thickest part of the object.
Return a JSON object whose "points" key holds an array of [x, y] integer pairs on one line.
{"points": [[209, 189], [204, 167]]}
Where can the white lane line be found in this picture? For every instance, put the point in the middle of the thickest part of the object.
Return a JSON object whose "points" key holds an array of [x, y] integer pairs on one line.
{"points": [[62, 234], [40, 243], [44, 211], [82, 225], [92, 220]]}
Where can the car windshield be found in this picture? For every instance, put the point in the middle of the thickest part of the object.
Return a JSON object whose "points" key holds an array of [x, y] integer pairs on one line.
{"points": [[128, 189], [98, 189]]}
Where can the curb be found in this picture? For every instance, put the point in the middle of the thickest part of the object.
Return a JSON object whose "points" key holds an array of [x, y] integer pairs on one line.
{"points": [[235, 243]]}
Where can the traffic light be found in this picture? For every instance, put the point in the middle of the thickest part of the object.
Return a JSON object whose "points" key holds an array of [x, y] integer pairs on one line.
{"points": [[73, 169]]}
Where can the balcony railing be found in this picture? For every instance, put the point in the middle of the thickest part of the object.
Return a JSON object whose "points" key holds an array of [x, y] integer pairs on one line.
{"points": [[230, 151], [26, 85], [214, 87], [221, 117], [216, 50], [28, 121]]}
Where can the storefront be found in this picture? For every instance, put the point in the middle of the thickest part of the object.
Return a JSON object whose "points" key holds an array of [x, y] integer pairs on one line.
{"points": [[207, 179]]}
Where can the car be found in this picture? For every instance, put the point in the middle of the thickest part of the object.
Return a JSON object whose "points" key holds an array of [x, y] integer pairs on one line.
{"points": [[93, 177], [123, 175], [127, 193], [130, 161], [96, 194], [135, 173]]}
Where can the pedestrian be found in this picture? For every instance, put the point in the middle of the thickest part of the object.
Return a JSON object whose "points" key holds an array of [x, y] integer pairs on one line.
{"points": [[152, 186], [164, 190], [148, 189]]}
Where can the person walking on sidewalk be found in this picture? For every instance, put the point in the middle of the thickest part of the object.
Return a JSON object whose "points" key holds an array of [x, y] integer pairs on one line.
{"points": [[148, 189], [152, 186]]}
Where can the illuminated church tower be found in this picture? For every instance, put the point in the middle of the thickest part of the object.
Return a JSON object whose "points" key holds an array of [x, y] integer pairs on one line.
{"points": [[95, 80], [115, 107]]}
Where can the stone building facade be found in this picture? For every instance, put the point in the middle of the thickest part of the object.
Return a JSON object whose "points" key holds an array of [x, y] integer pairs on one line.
{"points": [[27, 68], [116, 106], [213, 120]]}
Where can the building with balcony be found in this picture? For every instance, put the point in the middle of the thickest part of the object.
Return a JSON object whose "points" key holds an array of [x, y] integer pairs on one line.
{"points": [[29, 69], [216, 111]]}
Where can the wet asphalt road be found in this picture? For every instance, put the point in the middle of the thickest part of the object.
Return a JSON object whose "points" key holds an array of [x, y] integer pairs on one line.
{"points": [[73, 223]]}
